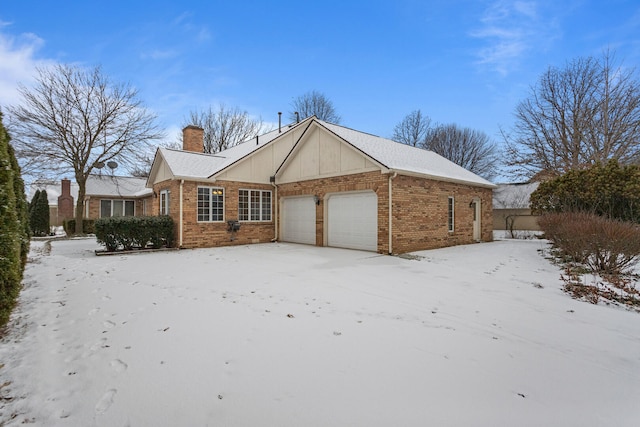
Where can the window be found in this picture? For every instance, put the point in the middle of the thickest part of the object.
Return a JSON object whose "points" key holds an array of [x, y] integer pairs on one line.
{"points": [[451, 213], [254, 205], [210, 204], [164, 202], [109, 208]]}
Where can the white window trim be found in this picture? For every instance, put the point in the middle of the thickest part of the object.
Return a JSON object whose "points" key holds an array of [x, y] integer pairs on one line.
{"points": [[210, 206], [166, 195], [260, 208], [451, 214], [124, 207]]}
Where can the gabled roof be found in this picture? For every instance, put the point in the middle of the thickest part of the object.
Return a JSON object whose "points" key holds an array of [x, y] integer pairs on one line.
{"points": [[97, 185], [404, 158], [116, 186], [383, 151], [191, 165]]}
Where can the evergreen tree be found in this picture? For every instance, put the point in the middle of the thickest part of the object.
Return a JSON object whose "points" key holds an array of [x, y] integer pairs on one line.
{"points": [[33, 207], [10, 265], [39, 213], [22, 207], [43, 214]]}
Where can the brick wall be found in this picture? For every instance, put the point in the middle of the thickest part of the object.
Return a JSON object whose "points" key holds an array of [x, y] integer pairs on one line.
{"points": [[420, 214], [211, 234], [374, 181], [420, 211], [94, 205]]}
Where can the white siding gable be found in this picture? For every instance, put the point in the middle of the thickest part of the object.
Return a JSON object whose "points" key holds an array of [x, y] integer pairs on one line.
{"points": [[320, 154], [262, 163]]}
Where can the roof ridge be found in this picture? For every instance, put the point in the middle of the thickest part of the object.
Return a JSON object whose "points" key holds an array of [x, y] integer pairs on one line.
{"points": [[178, 150], [353, 130]]}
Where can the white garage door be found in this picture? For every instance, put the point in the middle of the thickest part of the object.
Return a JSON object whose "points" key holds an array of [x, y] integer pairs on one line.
{"points": [[353, 221], [298, 220]]}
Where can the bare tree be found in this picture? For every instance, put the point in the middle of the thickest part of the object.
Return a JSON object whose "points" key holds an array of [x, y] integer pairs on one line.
{"points": [[471, 149], [74, 121], [225, 127], [412, 130], [314, 103], [585, 113]]}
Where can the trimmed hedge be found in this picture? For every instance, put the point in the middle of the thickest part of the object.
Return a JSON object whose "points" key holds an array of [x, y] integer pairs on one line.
{"points": [[128, 232], [87, 226], [13, 231]]}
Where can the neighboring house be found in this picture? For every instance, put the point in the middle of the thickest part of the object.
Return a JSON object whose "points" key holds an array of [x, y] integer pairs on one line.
{"points": [[59, 195], [321, 184], [106, 196], [511, 207]]}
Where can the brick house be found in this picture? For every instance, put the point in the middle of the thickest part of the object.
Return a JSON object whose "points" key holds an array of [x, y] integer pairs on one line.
{"points": [[322, 184], [108, 195]]}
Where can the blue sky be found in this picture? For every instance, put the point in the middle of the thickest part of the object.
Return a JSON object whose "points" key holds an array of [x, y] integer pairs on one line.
{"points": [[466, 62]]}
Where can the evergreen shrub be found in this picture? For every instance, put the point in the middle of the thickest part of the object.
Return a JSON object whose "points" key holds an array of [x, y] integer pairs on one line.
{"points": [[128, 232], [70, 226], [11, 229]]}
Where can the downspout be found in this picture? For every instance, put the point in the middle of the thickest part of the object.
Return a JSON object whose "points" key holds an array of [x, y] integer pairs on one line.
{"points": [[273, 182], [391, 177], [180, 239]]}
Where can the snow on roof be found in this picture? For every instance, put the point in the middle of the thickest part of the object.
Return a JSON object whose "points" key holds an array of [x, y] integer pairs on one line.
{"points": [[513, 196], [118, 186], [391, 154], [402, 157], [187, 164], [53, 189]]}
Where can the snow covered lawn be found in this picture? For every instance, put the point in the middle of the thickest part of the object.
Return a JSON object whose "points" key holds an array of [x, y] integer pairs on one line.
{"points": [[292, 335]]}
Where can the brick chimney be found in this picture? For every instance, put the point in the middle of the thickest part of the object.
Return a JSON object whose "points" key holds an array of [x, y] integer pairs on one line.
{"points": [[193, 139], [65, 201]]}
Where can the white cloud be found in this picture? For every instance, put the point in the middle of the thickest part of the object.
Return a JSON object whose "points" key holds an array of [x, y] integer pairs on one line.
{"points": [[17, 63], [510, 30]]}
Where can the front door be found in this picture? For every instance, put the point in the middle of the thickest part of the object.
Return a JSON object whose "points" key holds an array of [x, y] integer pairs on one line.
{"points": [[477, 226]]}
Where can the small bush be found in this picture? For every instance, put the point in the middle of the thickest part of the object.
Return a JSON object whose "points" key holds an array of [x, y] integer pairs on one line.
{"points": [[605, 246], [134, 232], [87, 226]]}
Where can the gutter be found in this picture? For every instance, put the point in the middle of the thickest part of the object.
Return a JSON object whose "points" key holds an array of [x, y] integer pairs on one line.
{"points": [[181, 214], [391, 177], [276, 203]]}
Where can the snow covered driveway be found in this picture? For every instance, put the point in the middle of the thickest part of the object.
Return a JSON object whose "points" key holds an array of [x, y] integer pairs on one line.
{"points": [[293, 335]]}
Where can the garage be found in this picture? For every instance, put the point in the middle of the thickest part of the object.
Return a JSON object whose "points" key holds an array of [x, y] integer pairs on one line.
{"points": [[298, 220], [352, 221]]}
